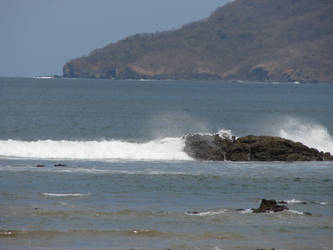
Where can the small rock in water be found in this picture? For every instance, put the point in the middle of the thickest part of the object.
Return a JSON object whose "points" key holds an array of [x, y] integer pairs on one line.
{"points": [[40, 166], [269, 206], [193, 212], [60, 165]]}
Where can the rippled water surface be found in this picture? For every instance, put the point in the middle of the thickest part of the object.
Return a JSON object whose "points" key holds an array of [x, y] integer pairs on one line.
{"points": [[122, 180]]}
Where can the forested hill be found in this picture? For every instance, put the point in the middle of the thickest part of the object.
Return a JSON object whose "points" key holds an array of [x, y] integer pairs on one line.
{"points": [[250, 40]]}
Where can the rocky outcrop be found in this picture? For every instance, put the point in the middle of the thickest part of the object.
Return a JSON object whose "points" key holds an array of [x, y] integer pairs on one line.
{"points": [[267, 206], [250, 148]]}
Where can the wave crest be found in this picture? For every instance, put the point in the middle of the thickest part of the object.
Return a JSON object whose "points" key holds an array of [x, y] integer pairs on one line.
{"points": [[163, 149], [311, 134]]}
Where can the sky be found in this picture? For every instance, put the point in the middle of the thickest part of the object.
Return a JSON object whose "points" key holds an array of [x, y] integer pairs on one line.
{"points": [[39, 36]]}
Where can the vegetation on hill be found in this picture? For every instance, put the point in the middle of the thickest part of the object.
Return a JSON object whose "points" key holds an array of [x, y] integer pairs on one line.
{"points": [[250, 40]]}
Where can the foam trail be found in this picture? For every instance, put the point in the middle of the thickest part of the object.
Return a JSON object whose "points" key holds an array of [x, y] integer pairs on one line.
{"points": [[65, 195], [207, 213], [311, 134], [163, 149], [294, 201], [295, 212]]}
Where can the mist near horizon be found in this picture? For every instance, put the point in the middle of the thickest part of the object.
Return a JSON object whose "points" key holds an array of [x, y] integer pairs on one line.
{"points": [[39, 37]]}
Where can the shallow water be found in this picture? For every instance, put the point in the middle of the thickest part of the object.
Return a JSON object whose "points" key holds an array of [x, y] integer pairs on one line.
{"points": [[127, 184]]}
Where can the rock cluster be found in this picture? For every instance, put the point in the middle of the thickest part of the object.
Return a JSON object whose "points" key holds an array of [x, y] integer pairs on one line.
{"points": [[269, 206], [250, 148]]}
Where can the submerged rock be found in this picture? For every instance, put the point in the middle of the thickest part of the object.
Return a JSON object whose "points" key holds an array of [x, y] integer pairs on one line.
{"points": [[60, 165], [269, 206], [250, 148]]}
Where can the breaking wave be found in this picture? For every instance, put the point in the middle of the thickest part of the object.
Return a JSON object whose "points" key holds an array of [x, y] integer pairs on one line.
{"points": [[65, 195], [168, 148], [162, 149], [311, 134]]}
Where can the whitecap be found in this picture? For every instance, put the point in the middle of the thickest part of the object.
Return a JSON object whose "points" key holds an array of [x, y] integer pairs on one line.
{"points": [[246, 211], [309, 133], [65, 194], [207, 213], [294, 201], [295, 212], [170, 148]]}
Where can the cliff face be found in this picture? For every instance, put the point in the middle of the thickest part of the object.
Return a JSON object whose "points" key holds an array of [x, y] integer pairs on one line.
{"points": [[250, 40]]}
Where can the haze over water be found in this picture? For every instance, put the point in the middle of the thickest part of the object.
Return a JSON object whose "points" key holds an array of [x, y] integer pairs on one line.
{"points": [[128, 184]]}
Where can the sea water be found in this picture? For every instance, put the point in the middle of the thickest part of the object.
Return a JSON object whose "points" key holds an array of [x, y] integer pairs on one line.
{"points": [[100, 164]]}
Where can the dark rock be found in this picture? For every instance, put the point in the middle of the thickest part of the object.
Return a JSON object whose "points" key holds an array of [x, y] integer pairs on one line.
{"points": [[206, 147], [239, 209], [193, 212], [269, 206], [60, 165], [40, 166], [250, 148]]}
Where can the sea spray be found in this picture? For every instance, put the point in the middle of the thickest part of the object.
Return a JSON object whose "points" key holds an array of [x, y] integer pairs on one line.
{"points": [[173, 124], [163, 149], [310, 134]]}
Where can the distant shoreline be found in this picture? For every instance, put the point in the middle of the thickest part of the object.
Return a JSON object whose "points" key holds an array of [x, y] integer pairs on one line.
{"points": [[165, 80]]}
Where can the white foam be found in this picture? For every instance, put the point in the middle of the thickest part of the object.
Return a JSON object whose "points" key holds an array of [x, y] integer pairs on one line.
{"points": [[43, 77], [295, 212], [294, 201], [163, 149], [247, 211], [225, 133], [207, 213], [65, 195], [310, 134]]}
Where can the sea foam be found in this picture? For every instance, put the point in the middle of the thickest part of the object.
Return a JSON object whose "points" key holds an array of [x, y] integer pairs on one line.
{"points": [[162, 149], [65, 195], [310, 134]]}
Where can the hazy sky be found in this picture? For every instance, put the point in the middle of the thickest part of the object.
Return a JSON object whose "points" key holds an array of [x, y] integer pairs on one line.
{"points": [[39, 36]]}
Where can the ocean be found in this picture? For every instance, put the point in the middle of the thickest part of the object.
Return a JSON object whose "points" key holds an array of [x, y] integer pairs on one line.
{"points": [[99, 164]]}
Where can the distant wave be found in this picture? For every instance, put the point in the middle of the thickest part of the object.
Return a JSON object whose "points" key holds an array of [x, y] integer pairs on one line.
{"points": [[208, 213], [65, 195], [168, 148], [43, 77], [296, 212], [163, 149], [294, 201], [304, 202]]}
